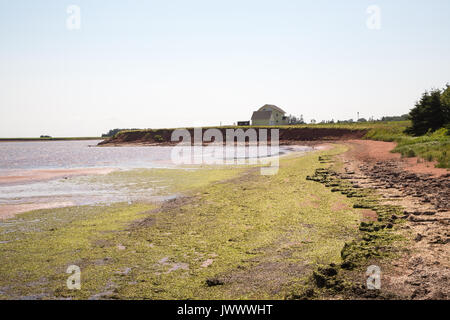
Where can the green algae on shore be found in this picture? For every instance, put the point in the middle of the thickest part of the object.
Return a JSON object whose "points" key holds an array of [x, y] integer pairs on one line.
{"points": [[166, 181], [234, 235]]}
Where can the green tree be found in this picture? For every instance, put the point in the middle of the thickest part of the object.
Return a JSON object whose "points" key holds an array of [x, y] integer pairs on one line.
{"points": [[431, 112], [294, 120], [445, 100]]}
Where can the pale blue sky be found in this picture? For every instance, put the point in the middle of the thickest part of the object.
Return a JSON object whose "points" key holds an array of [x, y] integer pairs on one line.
{"points": [[171, 63]]}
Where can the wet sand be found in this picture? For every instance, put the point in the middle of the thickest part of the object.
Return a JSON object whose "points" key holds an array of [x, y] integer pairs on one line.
{"points": [[10, 210], [30, 176]]}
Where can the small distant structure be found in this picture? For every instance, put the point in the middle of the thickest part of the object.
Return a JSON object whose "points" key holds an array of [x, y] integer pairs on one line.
{"points": [[269, 115], [45, 137], [243, 123]]}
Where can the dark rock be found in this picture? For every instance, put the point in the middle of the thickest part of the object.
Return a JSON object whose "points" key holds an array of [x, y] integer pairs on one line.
{"points": [[330, 271], [319, 279], [348, 265], [212, 282], [309, 293]]}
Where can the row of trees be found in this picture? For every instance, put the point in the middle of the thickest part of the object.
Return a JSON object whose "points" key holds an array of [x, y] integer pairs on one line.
{"points": [[300, 120], [371, 119], [113, 132], [431, 112], [295, 120]]}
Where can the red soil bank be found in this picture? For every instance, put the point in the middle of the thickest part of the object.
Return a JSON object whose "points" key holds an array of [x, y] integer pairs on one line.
{"points": [[287, 135]]}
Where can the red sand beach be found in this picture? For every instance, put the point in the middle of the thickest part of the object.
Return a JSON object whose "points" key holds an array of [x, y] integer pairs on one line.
{"points": [[29, 176]]}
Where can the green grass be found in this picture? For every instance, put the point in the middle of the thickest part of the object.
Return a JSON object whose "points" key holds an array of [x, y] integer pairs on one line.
{"points": [[430, 147]]}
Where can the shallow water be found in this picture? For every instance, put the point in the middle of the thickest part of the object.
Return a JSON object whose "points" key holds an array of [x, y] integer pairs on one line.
{"points": [[78, 154], [22, 157], [86, 154]]}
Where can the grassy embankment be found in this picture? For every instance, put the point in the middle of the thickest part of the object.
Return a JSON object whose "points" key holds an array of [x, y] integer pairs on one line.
{"points": [[430, 147], [252, 236]]}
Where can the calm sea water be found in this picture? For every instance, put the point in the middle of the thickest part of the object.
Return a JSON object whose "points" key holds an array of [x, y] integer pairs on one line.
{"points": [[78, 154], [24, 156], [86, 154]]}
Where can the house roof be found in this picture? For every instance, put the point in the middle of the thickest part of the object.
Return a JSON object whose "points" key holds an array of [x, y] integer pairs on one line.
{"points": [[262, 115], [273, 107]]}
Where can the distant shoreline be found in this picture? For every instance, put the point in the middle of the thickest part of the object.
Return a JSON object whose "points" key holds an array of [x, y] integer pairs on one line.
{"points": [[49, 139], [287, 135]]}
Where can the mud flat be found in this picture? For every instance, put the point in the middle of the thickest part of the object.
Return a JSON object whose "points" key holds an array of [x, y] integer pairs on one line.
{"points": [[10, 210], [29, 176], [308, 232], [20, 177], [232, 233]]}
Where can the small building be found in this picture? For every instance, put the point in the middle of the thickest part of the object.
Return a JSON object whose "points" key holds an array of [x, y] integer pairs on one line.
{"points": [[269, 115], [243, 123]]}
